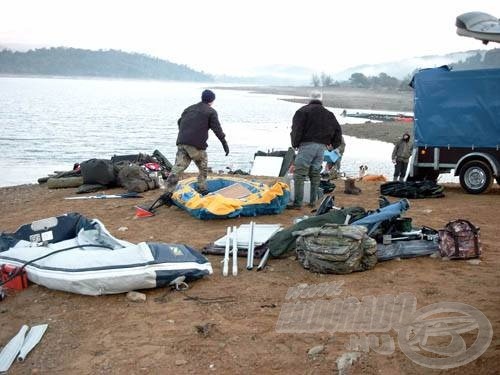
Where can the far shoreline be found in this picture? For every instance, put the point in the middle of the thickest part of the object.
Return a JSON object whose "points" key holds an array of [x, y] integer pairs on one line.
{"points": [[350, 98], [339, 97]]}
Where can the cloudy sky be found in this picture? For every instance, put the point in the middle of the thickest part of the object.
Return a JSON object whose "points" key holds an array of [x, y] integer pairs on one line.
{"points": [[233, 37]]}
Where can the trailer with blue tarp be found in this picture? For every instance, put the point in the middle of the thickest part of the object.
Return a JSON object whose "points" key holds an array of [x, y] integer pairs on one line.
{"points": [[457, 126]]}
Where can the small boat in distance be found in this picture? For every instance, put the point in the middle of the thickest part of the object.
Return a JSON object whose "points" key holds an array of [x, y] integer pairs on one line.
{"points": [[379, 116]]}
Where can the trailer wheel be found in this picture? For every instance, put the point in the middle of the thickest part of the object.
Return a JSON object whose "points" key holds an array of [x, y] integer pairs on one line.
{"points": [[476, 177]]}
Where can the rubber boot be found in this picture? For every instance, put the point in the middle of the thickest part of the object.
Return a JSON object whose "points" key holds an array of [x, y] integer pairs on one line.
{"points": [[350, 188], [298, 180], [315, 178]]}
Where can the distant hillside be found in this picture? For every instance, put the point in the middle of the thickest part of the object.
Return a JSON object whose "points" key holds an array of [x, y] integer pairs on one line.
{"points": [[402, 68], [482, 59], [81, 62]]}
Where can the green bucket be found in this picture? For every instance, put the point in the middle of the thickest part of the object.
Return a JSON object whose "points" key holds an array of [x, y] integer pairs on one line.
{"points": [[403, 224]]}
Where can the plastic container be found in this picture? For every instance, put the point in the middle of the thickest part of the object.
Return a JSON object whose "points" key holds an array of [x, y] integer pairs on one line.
{"points": [[307, 190], [19, 282], [161, 182]]}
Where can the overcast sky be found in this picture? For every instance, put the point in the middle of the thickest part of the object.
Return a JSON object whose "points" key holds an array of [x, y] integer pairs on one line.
{"points": [[232, 37]]}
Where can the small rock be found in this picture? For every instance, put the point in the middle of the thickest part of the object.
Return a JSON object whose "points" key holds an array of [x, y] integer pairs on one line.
{"points": [[435, 255], [204, 329], [474, 262], [427, 211], [345, 361], [211, 366], [136, 297], [122, 229], [180, 362], [444, 259], [170, 321], [313, 352]]}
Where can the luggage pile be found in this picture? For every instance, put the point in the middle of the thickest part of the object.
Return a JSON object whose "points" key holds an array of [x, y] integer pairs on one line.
{"points": [[136, 173]]}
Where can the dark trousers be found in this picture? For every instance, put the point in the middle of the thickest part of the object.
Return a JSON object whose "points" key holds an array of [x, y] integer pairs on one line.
{"points": [[400, 170]]}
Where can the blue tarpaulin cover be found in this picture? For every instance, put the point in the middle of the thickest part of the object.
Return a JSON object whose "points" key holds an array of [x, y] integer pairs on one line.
{"points": [[457, 108]]}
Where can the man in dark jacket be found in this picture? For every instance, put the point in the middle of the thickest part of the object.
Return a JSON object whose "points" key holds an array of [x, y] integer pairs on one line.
{"points": [[194, 124], [314, 130], [400, 157]]}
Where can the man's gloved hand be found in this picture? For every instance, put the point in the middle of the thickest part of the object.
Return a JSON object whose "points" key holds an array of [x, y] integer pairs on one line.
{"points": [[226, 147]]}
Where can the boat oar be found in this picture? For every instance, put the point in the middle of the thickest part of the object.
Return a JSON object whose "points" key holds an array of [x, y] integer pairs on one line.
{"points": [[108, 196]]}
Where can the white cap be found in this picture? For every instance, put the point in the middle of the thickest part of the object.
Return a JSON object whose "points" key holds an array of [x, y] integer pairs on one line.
{"points": [[316, 95]]}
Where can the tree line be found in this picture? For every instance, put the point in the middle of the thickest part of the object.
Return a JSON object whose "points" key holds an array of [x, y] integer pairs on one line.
{"points": [[485, 59], [360, 80], [62, 61]]}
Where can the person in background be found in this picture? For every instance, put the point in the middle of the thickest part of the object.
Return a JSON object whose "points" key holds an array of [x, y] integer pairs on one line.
{"points": [[314, 129], [194, 124], [400, 156]]}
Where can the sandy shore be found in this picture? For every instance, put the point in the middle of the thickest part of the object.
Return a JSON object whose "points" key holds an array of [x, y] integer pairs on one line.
{"points": [[348, 98], [111, 335], [390, 131]]}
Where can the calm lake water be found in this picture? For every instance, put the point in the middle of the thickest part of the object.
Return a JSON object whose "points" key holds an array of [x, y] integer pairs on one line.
{"points": [[50, 124]]}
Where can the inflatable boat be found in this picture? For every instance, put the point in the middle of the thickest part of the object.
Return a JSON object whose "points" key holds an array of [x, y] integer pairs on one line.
{"points": [[75, 254], [231, 197]]}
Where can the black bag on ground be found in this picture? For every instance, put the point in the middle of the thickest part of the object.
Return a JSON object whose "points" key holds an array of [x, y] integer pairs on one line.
{"points": [[412, 189], [134, 179], [98, 172]]}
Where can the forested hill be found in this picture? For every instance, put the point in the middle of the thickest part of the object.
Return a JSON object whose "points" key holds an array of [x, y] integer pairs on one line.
{"points": [[103, 63], [480, 60]]}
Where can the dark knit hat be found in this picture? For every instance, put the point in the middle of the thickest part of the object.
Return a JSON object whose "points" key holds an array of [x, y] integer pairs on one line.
{"points": [[207, 96]]}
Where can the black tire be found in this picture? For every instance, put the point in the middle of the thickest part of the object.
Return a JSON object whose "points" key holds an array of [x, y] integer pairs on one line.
{"points": [[476, 177], [498, 180]]}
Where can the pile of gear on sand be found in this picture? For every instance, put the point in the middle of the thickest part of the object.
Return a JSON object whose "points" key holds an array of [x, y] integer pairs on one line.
{"points": [[135, 173], [77, 254]]}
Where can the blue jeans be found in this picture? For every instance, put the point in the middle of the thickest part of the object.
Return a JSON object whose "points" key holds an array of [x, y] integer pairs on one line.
{"points": [[308, 164]]}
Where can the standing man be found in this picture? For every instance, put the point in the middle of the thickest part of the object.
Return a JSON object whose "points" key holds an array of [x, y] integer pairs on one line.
{"points": [[194, 124], [400, 156], [314, 129]]}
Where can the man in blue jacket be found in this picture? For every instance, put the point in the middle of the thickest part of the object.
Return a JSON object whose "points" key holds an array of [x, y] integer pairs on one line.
{"points": [[194, 124], [314, 129]]}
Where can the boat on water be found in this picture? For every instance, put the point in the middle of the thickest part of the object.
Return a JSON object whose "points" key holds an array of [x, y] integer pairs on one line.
{"points": [[379, 116], [75, 254]]}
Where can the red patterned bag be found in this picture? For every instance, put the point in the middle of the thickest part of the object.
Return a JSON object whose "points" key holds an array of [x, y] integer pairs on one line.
{"points": [[459, 240]]}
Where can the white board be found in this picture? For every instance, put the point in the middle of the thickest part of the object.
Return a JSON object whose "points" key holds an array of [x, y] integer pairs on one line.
{"points": [[267, 166], [262, 233]]}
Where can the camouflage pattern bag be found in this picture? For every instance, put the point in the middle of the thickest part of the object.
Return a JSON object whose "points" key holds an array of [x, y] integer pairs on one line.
{"points": [[459, 240], [334, 248]]}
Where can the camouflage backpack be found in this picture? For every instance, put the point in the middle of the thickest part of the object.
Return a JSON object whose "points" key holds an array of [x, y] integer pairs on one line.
{"points": [[335, 248], [459, 240]]}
